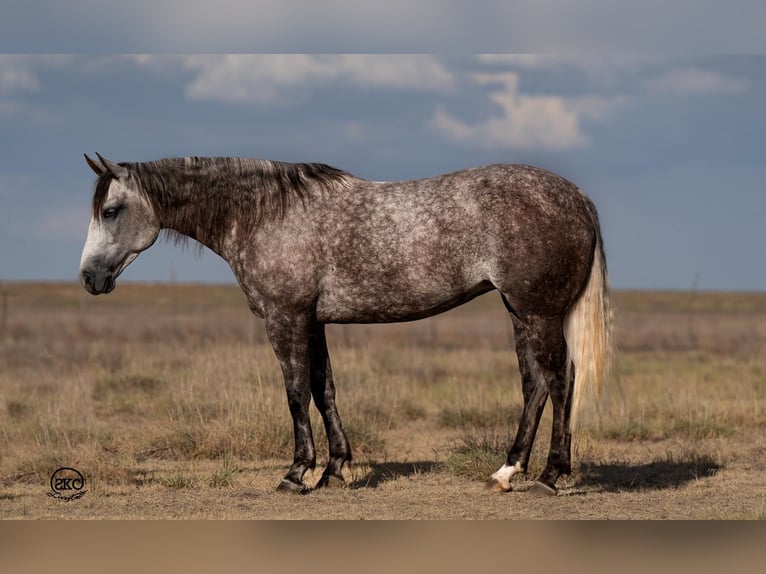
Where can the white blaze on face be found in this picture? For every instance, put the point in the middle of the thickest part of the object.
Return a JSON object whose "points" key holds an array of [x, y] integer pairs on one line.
{"points": [[101, 243], [91, 242], [114, 242]]}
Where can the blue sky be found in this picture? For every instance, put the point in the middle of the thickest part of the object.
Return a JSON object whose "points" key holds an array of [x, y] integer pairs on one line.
{"points": [[415, 26], [670, 148]]}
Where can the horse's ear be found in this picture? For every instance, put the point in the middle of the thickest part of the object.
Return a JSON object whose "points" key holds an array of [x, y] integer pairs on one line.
{"points": [[94, 166], [115, 169]]}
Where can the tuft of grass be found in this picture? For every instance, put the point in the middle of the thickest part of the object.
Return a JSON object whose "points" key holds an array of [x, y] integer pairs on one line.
{"points": [[177, 481], [225, 475], [36, 469], [169, 476], [179, 443], [366, 439], [266, 438], [477, 456]]}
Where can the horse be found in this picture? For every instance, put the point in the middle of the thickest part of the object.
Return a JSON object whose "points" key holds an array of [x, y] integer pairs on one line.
{"points": [[310, 244]]}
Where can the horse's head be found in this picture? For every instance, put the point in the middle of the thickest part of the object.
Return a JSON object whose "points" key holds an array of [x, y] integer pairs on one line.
{"points": [[123, 224]]}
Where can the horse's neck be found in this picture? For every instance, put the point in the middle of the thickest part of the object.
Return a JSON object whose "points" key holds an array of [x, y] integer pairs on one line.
{"points": [[193, 216]]}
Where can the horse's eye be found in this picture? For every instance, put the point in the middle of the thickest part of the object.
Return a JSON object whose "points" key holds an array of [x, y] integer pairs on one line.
{"points": [[110, 213]]}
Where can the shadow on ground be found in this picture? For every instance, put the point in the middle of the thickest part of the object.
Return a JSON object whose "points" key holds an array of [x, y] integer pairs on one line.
{"points": [[655, 475], [387, 471]]}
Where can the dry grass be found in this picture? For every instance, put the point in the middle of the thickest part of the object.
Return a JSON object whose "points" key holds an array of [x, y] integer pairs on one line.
{"points": [[171, 402]]}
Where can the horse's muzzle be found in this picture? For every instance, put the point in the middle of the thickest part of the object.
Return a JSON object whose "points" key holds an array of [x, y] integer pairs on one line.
{"points": [[96, 285]]}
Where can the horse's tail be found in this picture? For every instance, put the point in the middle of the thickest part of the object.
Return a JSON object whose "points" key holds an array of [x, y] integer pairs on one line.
{"points": [[588, 331]]}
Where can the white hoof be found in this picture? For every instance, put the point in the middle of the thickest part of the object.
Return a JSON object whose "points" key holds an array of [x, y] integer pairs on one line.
{"points": [[500, 481], [494, 485]]}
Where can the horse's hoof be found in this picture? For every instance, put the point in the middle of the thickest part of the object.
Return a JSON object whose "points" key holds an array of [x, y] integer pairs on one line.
{"points": [[291, 487], [494, 485], [331, 481], [540, 489]]}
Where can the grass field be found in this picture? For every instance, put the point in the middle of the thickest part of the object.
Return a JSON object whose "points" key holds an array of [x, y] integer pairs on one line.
{"points": [[169, 400]]}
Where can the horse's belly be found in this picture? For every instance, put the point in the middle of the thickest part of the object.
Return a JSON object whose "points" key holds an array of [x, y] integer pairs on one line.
{"points": [[359, 305]]}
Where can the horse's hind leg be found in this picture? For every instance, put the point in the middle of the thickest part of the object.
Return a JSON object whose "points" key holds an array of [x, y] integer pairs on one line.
{"points": [[548, 347], [323, 391], [560, 454], [535, 392]]}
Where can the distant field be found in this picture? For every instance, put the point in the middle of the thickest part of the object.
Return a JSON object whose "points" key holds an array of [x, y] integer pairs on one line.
{"points": [[169, 400]]}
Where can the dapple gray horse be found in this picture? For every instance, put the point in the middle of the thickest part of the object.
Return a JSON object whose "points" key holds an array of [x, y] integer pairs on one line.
{"points": [[310, 245]]}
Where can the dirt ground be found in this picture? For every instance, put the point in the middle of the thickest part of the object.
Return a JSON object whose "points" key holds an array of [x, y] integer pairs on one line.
{"points": [[419, 490], [168, 400]]}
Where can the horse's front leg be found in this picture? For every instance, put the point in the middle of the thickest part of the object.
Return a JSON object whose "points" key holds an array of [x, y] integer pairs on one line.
{"points": [[323, 390], [289, 335]]}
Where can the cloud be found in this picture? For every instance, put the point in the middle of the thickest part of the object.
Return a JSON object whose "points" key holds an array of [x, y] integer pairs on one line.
{"points": [[696, 81], [268, 78], [548, 122], [19, 72], [642, 73], [606, 70], [556, 121], [19, 76], [589, 62], [265, 78]]}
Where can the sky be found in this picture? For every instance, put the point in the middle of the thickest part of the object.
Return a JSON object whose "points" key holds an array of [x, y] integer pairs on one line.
{"points": [[670, 148], [363, 26]]}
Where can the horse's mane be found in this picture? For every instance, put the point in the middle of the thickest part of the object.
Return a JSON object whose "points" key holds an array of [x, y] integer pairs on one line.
{"points": [[255, 190]]}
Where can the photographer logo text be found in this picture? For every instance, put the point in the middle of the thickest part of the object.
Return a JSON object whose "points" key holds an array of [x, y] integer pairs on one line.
{"points": [[67, 484]]}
